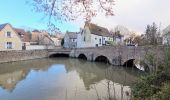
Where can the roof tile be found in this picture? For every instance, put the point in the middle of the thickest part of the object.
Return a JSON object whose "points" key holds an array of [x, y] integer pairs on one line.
{"points": [[98, 30]]}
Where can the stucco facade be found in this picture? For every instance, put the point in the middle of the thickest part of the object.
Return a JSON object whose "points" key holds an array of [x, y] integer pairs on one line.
{"points": [[57, 41], [37, 35], [70, 40], [87, 38], [106, 40], [9, 39]]}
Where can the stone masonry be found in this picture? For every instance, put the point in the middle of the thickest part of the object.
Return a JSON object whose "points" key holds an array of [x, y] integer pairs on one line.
{"points": [[8, 56], [115, 55]]}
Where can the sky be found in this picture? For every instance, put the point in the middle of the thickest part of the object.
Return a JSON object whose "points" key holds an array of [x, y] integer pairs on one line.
{"points": [[133, 14], [21, 15], [136, 14]]}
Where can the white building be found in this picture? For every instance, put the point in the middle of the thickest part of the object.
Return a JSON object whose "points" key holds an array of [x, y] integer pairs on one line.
{"points": [[70, 40], [57, 41], [93, 36], [46, 40], [117, 38]]}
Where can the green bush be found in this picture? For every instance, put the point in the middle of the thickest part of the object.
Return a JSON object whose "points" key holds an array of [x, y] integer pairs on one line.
{"points": [[164, 94], [155, 86], [150, 85]]}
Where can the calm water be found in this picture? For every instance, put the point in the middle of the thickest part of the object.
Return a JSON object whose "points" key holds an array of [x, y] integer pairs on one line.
{"points": [[65, 79]]}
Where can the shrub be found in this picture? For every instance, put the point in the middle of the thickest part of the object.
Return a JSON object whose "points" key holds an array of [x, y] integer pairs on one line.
{"points": [[149, 85]]}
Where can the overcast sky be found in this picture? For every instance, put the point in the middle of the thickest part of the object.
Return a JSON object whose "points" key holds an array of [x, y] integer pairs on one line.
{"points": [[133, 14], [136, 14]]}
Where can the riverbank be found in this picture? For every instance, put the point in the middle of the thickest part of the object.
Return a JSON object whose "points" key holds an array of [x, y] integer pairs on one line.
{"points": [[10, 56]]}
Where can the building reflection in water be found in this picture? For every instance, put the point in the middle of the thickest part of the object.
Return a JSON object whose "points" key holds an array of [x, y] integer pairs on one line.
{"points": [[78, 79]]}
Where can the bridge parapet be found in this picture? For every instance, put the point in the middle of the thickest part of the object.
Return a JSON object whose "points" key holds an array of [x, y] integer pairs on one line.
{"points": [[116, 55]]}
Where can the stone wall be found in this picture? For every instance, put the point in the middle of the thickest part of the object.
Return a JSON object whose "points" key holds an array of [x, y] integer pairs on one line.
{"points": [[8, 56], [117, 55]]}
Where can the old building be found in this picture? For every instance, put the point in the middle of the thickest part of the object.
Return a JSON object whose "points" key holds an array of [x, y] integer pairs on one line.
{"points": [[46, 40], [25, 37], [41, 38], [36, 35], [9, 39], [70, 40], [93, 36], [117, 38], [57, 38]]}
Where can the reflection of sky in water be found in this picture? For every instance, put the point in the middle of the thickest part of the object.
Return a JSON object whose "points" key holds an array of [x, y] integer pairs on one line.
{"points": [[56, 81]]}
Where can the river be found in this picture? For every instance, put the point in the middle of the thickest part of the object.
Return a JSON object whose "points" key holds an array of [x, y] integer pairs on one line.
{"points": [[65, 79]]}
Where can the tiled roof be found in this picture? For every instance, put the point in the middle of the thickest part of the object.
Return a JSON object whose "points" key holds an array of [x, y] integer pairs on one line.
{"points": [[25, 36], [20, 31], [35, 31], [98, 30], [72, 35], [2, 26]]}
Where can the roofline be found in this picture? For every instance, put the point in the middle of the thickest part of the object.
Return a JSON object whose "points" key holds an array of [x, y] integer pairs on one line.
{"points": [[100, 35], [49, 38], [12, 29], [87, 23], [5, 25]]}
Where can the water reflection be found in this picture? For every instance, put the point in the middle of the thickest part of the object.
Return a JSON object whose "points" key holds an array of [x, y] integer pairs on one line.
{"points": [[64, 79]]}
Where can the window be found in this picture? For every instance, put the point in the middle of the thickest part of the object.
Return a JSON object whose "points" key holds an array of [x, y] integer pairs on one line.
{"points": [[8, 34], [9, 45]]}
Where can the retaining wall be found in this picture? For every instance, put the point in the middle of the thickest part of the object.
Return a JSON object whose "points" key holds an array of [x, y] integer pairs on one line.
{"points": [[9, 56]]}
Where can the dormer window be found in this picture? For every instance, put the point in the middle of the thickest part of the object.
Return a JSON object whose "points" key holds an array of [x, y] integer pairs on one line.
{"points": [[8, 34]]}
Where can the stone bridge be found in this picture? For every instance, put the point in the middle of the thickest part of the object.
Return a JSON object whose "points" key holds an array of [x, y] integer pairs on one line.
{"points": [[122, 55]]}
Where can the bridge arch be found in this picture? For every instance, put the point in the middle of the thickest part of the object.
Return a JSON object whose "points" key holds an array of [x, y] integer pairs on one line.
{"points": [[129, 63], [102, 58], [82, 56], [58, 55]]}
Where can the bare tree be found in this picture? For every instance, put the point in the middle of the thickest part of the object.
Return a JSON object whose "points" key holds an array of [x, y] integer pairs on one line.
{"points": [[72, 9], [152, 36]]}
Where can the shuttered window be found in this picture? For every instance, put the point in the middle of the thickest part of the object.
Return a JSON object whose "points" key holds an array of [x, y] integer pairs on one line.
{"points": [[9, 45]]}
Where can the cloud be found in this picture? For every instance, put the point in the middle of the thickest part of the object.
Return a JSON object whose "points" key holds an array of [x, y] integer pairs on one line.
{"points": [[135, 14]]}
